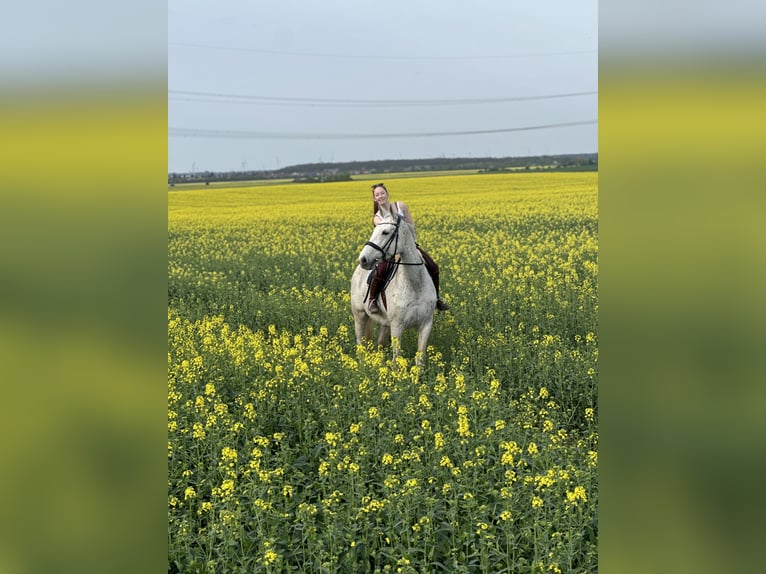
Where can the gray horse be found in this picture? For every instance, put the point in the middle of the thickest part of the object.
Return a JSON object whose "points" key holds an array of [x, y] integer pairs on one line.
{"points": [[410, 294]]}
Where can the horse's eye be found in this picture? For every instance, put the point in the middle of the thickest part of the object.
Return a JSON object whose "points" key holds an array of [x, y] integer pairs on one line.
{"points": [[386, 232]]}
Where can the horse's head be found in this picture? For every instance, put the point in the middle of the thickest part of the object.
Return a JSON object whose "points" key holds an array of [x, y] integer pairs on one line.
{"points": [[382, 243]]}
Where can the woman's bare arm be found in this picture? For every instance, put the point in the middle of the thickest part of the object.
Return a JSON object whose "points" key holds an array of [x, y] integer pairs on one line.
{"points": [[407, 215]]}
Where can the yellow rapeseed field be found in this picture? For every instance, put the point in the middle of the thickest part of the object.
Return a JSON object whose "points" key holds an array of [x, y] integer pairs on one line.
{"points": [[290, 449]]}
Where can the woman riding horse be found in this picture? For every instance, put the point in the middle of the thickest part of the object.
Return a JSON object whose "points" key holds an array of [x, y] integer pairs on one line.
{"points": [[381, 208]]}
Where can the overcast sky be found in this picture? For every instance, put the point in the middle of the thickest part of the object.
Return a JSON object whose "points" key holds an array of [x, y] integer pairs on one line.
{"points": [[261, 85]]}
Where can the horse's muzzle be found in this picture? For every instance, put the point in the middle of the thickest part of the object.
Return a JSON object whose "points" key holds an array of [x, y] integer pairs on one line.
{"points": [[366, 262]]}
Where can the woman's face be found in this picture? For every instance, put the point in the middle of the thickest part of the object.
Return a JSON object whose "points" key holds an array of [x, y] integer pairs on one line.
{"points": [[380, 194]]}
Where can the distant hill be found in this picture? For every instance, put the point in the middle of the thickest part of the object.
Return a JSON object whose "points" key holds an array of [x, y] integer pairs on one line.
{"points": [[341, 171]]}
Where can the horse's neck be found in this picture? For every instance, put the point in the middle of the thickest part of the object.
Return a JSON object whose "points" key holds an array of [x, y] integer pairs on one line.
{"points": [[410, 254], [410, 257]]}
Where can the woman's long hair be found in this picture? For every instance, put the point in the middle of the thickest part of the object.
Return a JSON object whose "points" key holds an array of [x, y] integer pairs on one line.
{"points": [[375, 206]]}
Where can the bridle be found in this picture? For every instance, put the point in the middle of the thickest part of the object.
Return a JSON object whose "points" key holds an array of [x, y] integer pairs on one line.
{"points": [[395, 239]]}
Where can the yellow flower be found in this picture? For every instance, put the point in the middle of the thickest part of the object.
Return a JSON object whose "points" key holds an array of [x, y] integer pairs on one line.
{"points": [[198, 431], [332, 438], [463, 428], [229, 455], [227, 488], [505, 515], [532, 448], [545, 481], [438, 440], [189, 493], [210, 390], [576, 495], [537, 502], [391, 482], [308, 509], [228, 517]]}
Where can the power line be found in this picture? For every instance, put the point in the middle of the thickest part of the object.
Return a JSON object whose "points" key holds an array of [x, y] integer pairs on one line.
{"points": [[363, 57], [231, 134], [213, 97]]}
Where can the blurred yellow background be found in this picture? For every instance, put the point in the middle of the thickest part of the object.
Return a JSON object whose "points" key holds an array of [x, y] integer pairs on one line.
{"points": [[82, 331], [682, 266]]}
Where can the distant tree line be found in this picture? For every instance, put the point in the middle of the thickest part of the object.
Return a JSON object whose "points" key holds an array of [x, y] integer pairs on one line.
{"points": [[342, 171]]}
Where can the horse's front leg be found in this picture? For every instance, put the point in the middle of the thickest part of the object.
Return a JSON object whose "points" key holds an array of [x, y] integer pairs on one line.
{"points": [[384, 336], [396, 332], [360, 328], [423, 333]]}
